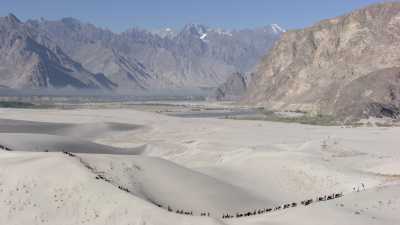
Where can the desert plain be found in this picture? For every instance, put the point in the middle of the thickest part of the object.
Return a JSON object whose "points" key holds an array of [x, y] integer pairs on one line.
{"points": [[135, 167]]}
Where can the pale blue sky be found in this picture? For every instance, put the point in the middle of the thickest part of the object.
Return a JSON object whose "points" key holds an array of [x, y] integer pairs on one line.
{"points": [[119, 15]]}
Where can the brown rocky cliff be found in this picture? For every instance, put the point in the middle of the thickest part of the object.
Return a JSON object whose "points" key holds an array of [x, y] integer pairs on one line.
{"points": [[307, 69]]}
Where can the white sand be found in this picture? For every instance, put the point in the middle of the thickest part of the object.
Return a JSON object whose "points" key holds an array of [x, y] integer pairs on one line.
{"points": [[272, 162], [38, 188], [83, 130], [53, 143], [24, 135], [171, 185]]}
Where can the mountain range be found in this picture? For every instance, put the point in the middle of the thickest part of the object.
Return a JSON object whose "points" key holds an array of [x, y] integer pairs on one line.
{"points": [[347, 66], [29, 59], [69, 53]]}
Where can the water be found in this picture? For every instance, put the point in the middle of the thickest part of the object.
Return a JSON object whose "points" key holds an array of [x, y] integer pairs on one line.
{"points": [[215, 113]]}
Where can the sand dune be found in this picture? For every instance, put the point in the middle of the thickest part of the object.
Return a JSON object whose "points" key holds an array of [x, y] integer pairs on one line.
{"points": [[375, 206], [50, 188], [25, 135], [85, 130], [168, 184], [255, 162], [54, 143]]}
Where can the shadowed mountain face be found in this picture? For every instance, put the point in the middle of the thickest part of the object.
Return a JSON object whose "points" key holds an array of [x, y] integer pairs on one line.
{"points": [[29, 59], [376, 94], [313, 69], [195, 57], [234, 88]]}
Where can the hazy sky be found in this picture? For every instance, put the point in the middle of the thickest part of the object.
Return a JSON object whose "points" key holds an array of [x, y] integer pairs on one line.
{"points": [[119, 15]]}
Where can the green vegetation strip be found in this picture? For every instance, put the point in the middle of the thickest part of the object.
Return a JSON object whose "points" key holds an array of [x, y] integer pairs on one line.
{"points": [[319, 119], [23, 105]]}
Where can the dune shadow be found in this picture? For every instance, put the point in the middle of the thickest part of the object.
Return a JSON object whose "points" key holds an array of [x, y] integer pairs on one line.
{"points": [[85, 130], [20, 135]]}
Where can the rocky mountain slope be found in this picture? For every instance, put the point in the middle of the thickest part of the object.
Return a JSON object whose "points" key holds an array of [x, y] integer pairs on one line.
{"points": [[376, 94], [94, 48], [234, 88], [30, 60], [338, 66], [194, 57]]}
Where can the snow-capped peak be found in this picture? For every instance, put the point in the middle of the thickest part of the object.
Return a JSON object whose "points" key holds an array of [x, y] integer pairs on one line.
{"points": [[203, 36], [197, 30], [221, 31], [165, 32], [277, 29]]}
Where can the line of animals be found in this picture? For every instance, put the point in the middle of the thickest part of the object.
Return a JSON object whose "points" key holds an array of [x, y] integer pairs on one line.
{"points": [[69, 154], [5, 148], [238, 215], [83, 163], [261, 211], [99, 176]]}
